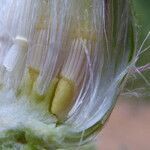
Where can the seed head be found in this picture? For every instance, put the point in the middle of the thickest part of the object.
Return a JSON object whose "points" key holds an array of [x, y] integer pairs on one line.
{"points": [[62, 66]]}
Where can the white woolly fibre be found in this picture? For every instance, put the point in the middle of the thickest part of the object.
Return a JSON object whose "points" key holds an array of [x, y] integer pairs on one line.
{"points": [[15, 112]]}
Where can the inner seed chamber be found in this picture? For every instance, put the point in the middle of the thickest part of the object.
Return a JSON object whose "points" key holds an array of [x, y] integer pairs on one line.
{"points": [[62, 65]]}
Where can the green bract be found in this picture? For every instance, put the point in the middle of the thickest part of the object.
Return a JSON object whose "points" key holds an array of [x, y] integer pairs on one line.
{"points": [[62, 66]]}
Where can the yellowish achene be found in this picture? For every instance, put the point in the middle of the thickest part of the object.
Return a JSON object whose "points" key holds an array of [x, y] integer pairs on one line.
{"points": [[63, 97]]}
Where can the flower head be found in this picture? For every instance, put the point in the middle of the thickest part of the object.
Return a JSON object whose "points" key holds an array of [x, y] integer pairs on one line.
{"points": [[62, 65]]}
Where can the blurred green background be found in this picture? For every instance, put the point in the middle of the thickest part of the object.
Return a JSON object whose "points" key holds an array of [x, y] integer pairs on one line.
{"points": [[142, 17], [142, 14], [142, 11]]}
